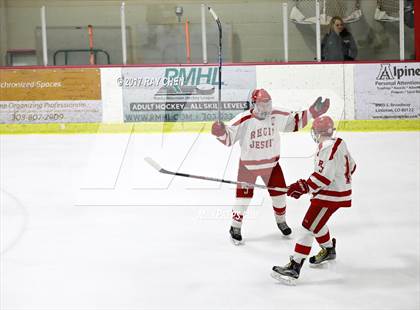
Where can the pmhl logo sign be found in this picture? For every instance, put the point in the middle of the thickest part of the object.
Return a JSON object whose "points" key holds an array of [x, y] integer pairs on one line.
{"points": [[196, 81], [388, 72]]}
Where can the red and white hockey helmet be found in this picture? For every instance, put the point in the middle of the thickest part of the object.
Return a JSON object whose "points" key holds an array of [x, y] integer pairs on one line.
{"points": [[261, 103], [322, 126]]}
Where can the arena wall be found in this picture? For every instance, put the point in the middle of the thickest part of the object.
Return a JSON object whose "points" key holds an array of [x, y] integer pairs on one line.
{"points": [[256, 28]]}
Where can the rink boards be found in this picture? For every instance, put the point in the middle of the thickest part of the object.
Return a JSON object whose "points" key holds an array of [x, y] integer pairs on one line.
{"points": [[155, 99]]}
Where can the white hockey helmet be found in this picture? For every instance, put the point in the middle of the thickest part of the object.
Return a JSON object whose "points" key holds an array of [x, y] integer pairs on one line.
{"points": [[322, 126], [261, 103]]}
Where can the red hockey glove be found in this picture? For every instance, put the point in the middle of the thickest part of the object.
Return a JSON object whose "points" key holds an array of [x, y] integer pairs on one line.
{"points": [[297, 189], [218, 129], [319, 107]]}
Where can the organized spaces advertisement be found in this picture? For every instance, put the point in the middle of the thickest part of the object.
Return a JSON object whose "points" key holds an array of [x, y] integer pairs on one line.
{"points": [[50, 96]]}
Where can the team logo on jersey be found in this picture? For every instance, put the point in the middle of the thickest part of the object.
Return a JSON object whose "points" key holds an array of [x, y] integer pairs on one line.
{"points": [[261, 138]]}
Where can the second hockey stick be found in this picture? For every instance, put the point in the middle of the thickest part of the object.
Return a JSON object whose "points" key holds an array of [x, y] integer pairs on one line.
{"points": [[219, 26], [155, 165]]}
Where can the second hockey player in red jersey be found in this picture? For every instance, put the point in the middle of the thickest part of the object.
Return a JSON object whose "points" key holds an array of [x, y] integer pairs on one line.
{"points": [[257, 131], [330, 186]]}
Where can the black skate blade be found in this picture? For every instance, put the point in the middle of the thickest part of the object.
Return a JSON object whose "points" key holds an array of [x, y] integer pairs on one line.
{"points": [[236, 242], [287, 237], [326, 264], [284, 279]]}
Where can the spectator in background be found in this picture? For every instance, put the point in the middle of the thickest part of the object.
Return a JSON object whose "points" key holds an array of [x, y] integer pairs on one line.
{"points": [[409, 13], [338, 44]]}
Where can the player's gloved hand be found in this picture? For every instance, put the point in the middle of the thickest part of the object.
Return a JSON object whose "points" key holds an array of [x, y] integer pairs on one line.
{"points": [[297, 189], [218, 129], [319, 107]]}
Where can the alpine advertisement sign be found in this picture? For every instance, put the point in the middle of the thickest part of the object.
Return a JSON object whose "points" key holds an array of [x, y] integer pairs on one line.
{"points": [[387, 91]]}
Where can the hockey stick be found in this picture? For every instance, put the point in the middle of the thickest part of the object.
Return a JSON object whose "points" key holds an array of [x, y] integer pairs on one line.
{"points": [[155, 165], [219, 25]]}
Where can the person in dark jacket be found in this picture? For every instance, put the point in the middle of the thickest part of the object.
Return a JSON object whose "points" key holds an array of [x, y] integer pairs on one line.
{"points": [[338, 44]]}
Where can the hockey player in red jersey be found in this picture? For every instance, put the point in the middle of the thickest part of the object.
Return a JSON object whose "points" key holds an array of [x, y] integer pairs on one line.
{"points": [[330, 186], [257, 131]]}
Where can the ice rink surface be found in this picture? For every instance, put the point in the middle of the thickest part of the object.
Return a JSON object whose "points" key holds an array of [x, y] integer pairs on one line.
{"points": [[87, 224]]}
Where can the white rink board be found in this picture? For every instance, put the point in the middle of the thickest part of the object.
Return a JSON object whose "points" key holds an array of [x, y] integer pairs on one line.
{"points": [[297, 86], [111, 95], [291, 87]]}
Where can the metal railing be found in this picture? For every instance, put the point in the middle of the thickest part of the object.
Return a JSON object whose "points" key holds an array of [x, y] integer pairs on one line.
{"points": [[95, 52]]}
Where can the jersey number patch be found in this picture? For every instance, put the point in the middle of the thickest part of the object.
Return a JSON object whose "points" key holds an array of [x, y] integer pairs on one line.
{"points": [[321, 166]]}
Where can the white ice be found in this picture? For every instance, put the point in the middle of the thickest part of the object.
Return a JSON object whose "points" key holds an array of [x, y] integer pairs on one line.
{"points": [[87, 224]]}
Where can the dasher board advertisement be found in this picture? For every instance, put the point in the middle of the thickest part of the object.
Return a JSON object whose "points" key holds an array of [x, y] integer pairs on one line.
{"points": [[387, 91], [50, 96], [188, 94]]}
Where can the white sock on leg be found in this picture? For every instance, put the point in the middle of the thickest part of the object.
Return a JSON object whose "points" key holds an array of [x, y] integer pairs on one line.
{"points": [[239, 210]]}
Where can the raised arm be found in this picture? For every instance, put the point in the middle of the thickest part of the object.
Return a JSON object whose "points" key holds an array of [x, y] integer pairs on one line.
{"points": [[222, 133], [299, 119], [227, 134]]}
